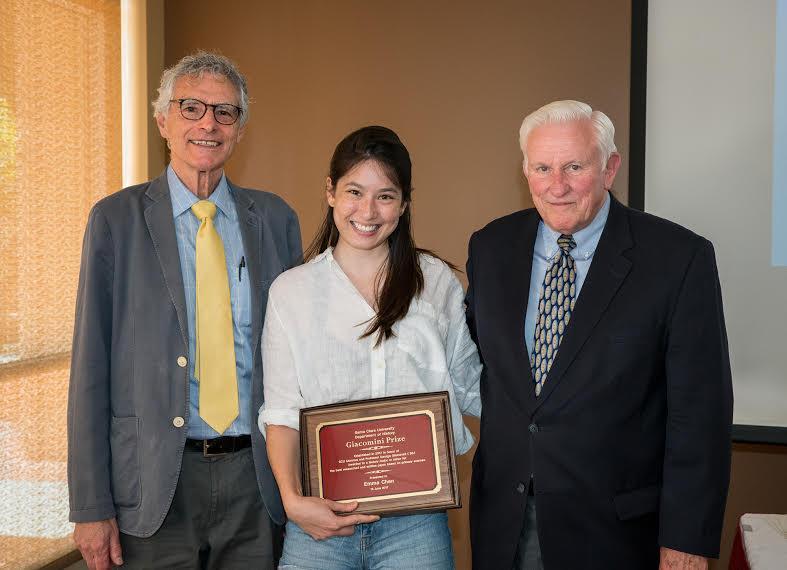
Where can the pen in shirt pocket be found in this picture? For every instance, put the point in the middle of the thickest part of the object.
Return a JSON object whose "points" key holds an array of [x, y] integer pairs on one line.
{"points": [[241, 265]]}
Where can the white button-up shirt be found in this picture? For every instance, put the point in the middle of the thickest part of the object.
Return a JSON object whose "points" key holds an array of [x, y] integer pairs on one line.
{"points": [[312, 354]]}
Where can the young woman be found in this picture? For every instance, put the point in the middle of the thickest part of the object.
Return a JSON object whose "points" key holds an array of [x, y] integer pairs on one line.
{"points": [[369, 315]]}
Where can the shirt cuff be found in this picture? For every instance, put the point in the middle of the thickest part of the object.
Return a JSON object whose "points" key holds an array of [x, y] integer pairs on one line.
{"points": [[279, 417]]}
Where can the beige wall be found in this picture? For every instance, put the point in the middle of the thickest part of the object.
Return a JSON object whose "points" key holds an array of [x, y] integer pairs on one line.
{"points": [[157, 150], [454, 79]]}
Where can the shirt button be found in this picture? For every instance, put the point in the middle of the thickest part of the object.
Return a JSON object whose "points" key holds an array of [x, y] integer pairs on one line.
{"points": [[520, 488], [533, 428], [182, 361], [178, 422]]}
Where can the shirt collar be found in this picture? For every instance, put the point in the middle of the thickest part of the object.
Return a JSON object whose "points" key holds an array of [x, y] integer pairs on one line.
{"points": [[183, 199], [326, 256], [586, 239]]}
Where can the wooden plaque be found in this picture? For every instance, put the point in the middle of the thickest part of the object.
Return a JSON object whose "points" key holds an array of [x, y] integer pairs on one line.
{"points": [[393, 455]]}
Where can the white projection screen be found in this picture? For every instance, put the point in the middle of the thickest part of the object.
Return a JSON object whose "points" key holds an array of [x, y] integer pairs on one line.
{"points": [[716, 162]]}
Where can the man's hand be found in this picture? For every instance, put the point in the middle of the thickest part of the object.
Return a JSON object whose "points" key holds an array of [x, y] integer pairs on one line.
{"points": [[99, 543], [675, 560], [322, 518]]}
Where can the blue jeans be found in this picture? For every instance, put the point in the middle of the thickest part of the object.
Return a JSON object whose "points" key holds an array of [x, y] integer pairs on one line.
{"points": [[411, 542]]}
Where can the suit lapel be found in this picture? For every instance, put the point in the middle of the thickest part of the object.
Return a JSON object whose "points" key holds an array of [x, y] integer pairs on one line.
{"points": [[515, 286], [161, 225], [250, 224], [607, 273]]}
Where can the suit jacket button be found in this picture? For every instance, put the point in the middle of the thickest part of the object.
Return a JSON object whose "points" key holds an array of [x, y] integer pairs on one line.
{"points": [[520, 488], [533, 428], [178, 422], [182, 361]]}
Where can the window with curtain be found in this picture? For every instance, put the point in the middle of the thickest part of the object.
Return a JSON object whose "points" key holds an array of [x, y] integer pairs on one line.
{"points": [[59, 153]]}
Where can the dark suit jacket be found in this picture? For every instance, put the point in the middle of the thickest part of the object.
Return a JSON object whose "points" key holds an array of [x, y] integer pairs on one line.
{"points": [[127, 387], [629, 441]]}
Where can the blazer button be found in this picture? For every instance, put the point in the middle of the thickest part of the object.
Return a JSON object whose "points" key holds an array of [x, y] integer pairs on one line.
{"points": [[520, 488], [178, 422], [533, 428], [182, 361]]}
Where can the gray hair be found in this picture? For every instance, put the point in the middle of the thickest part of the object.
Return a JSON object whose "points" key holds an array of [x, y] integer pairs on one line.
{"points": [[196, 65], [567, 112]]}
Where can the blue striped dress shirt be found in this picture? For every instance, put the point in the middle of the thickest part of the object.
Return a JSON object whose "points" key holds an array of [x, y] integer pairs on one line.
{"points": [[226, 223]]}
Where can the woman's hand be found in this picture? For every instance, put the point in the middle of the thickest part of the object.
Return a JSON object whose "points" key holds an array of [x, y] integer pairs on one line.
{"points": [[319, 518], [322, 518]]}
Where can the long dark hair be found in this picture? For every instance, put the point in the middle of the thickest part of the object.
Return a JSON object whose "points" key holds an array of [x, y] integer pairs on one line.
{"points": [[404, 279]]}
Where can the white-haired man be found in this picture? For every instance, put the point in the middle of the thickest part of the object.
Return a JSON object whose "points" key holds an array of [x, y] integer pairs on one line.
{"points": [[605, 437], [166, 468]]}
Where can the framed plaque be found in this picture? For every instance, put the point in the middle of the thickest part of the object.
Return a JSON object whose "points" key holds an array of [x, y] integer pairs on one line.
{"points": [[393, 455]]}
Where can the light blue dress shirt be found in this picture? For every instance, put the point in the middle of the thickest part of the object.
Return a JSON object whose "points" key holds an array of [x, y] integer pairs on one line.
{"points": [[546, 249], [226, 223]]}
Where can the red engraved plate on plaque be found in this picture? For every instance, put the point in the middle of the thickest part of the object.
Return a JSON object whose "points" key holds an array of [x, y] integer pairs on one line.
{"points": [[378, 457]]}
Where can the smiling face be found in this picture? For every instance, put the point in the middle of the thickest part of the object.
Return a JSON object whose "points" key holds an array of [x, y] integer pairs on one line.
{"points": [[567, 181], [203, 145], [366, 208]]}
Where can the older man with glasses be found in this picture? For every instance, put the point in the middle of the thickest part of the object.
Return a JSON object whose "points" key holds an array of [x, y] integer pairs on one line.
{"points": [[165, 469]]}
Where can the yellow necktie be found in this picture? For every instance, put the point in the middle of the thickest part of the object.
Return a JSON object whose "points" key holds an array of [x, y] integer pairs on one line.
{"points": [[215, 363]]}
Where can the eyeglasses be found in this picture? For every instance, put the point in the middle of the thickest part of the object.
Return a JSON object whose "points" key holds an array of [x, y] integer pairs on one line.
{"points": [[194, 110]]}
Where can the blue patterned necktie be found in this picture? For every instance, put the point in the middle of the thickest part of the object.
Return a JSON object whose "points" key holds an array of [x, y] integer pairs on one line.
{"points": [[558, 293]]}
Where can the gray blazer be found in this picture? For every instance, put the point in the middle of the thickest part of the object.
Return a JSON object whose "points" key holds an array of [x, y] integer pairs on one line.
{"points": [[128, 382]]}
